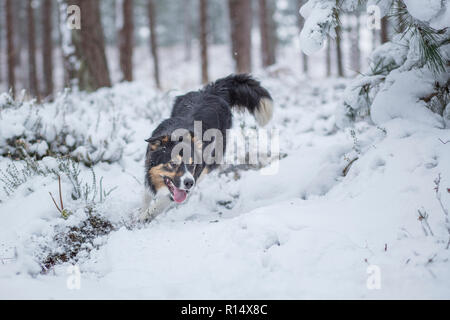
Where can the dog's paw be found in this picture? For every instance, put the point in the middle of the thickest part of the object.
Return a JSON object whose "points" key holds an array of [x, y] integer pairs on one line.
{"points": [[145, 216]]}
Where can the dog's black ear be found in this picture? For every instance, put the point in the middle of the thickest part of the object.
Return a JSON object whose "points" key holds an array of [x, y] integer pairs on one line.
{"points": [[157, 142]]}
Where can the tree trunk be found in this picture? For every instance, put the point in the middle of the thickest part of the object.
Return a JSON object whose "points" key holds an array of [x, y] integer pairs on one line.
{"points": [[47, 47], [328, 57], [126, 42], [266, 28], [84, 49], [374, 39], [2, 27], [339, 58], [32, 76], [10, 46], [187, 21], [19, 32], [301, 23], [154, 41], [90, 47], [355, 39], [66, 45], [384, 30], [241, 40], [204, 39]]}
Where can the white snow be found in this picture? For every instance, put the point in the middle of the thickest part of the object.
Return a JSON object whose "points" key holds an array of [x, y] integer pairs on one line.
{"points": [[424, 10], [319, 22], [306, 232], [406, 89]]}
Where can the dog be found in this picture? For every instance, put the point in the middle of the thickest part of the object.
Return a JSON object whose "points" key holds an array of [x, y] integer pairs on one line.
{"points": [[170, 172]]}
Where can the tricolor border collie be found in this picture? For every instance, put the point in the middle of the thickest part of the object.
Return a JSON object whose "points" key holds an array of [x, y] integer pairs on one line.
{"points": [[170, 175]]}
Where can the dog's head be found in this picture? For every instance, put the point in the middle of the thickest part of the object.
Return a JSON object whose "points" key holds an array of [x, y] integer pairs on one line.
{"points": [[169, 169]]}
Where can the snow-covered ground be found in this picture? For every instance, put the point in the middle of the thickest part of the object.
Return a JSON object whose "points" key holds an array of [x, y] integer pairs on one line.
{"points": [[305, 232]]}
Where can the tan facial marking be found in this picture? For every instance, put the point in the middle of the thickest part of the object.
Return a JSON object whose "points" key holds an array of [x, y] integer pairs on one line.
{"points": [[155, 145], [157, 173]]}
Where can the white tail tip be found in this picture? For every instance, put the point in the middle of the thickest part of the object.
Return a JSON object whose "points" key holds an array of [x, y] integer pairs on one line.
{"points": [[264, 112]]}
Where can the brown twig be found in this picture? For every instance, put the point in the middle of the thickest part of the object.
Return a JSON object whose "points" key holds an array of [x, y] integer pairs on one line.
{"points": [[60, 193], [347, 168], [55, 202], [60, 209]]}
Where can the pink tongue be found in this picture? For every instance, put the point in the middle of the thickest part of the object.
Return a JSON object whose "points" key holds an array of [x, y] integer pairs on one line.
{"points": [[179, 195]]}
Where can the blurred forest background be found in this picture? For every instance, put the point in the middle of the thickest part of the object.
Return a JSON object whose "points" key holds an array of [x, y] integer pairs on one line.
{"points": [[159, 40]]}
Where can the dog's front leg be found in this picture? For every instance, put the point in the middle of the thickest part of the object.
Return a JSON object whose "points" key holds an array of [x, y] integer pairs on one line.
{"points": [[159, 205]]}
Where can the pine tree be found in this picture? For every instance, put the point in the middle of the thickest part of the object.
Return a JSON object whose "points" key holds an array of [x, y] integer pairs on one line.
{"points": [[384, 37], [1, 41], [66, 44], [240, 24], [417, 53], [203, 39], [328, 58], [126, 43], [154, 41], [47, 47], [187, 23], [85, 56], [20, 38], [32, 75], [355, 53], [301, 22], [267, 28], [10, 46], [339, 58]]}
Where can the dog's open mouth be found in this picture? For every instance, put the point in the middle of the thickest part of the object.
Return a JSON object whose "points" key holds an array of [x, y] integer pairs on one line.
{"points": [[178, 195]]}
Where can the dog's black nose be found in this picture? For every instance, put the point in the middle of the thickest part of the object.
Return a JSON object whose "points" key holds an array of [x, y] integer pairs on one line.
{"points": [[188, 183]]}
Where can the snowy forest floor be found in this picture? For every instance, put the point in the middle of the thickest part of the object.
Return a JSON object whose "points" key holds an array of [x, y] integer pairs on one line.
{"points": [[305, 232]]}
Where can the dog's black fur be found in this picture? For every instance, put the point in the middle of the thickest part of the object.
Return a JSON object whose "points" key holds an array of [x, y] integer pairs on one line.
{"points": [[211, 105]]}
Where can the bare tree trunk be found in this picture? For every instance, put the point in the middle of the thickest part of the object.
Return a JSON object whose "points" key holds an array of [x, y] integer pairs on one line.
{"points": [[328, 57], [400, 17], [374, 39], [32, 76], [126, 42], [47, 47], [84, 49], [187, 21], [266, 28], [19, 25], [93, 73], [67, 47], [339, 58], [355, 49], [10, 46], [241, 25], [301, 23], [204, 39], [154, 41], [384, 30], [2, 27]]}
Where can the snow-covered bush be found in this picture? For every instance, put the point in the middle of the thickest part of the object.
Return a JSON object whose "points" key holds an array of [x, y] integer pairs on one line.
{"points": [[408, 77], [82, 127], [73, 238], [18, 173]]}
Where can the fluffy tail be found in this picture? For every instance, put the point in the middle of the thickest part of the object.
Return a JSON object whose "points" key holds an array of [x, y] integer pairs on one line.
{"points": [[243, 92]]}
